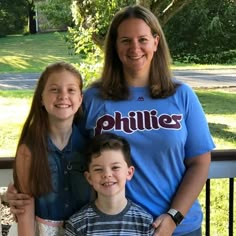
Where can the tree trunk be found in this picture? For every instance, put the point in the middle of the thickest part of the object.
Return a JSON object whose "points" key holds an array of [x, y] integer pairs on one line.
{"points": [[31, 18], [173, 8]]}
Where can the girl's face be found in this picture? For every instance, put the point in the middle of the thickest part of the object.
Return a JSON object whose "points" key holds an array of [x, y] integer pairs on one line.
{"points": [[136, 46], [62, 96], [108, 173]]}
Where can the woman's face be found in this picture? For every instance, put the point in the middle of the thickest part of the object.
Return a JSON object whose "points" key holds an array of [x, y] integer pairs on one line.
{"points": [[136, 46]]}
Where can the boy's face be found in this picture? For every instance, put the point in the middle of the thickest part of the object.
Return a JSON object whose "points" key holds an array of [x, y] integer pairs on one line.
{"points": [[109, 172]]}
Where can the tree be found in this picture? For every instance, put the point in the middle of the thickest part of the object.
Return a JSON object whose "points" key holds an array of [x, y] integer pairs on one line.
{"points": [[204, 32], [13, 17], [57, 12], [96, 15]]}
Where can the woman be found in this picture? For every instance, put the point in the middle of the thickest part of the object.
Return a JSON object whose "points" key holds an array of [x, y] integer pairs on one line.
{"points": [[162, 119]]}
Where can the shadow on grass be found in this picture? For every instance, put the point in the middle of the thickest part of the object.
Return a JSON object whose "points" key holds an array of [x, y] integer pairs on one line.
{"points": [[220, 131], [215, 102]]}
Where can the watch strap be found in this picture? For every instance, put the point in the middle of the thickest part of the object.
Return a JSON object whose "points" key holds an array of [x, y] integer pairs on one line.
{"points": [[176, 216]]}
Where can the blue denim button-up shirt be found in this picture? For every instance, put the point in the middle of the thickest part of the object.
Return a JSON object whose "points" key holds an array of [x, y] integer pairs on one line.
{"points": [[70, 188]]}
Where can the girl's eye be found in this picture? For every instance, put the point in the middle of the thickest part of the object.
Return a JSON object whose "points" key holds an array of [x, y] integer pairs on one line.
{"points": [[54, 90]]}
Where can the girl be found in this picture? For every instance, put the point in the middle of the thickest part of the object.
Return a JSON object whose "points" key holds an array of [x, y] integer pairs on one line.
{"points": [[48, 163]]}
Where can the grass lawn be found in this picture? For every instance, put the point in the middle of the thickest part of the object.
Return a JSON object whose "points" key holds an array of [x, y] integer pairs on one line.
{"points": [[31, 53], [220, 110]]}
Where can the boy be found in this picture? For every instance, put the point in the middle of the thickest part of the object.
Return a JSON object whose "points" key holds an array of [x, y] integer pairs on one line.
{"points": [[108, 169]]}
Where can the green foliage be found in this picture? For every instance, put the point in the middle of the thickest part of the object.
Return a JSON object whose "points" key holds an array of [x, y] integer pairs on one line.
{"points": [[91, 55], [57, 12], [204, 32], [13, 16], [91, 20]]}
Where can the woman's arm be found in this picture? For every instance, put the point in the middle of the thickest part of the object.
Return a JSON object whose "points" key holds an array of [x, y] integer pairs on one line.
{"points": [[17, 201], [192, 183], [26, 220]]}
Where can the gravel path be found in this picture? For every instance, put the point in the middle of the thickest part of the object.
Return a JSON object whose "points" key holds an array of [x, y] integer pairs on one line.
{"points": [[6, 218], [204, 78]]}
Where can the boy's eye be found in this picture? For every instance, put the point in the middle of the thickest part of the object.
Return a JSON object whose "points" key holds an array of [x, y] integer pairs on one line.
{"points": [[116, 167], [97, 169]]}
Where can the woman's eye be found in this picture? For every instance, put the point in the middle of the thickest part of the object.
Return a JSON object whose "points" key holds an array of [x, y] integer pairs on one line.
{"points": [[97, 170], [143, 40], [72, 90], [125, 41]]}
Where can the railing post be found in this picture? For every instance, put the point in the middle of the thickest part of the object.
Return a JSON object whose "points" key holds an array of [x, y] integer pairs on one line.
{"points": [[207, 200], [231, 205]]}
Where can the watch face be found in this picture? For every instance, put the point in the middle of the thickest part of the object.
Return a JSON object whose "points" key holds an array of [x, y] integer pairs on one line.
{"points": [[179, 217]]}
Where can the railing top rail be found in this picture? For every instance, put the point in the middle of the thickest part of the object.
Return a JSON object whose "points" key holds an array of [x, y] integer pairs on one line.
{"points": [[6, 162], [216, 155], [223, 155]]}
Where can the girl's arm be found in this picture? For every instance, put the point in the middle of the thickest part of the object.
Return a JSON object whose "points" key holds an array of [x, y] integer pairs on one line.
{"points": [[26, 220]]}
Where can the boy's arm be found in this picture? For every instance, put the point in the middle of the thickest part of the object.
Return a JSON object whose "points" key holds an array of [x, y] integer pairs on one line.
{"points": [[26, 220]]}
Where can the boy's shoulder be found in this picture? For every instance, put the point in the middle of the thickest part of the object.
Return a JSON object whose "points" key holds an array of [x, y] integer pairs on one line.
{"points": [[82, 213], [139, 210]]}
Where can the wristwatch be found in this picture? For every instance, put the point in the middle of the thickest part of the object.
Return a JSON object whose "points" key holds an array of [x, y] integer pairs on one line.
{"points": [[176, 216]]}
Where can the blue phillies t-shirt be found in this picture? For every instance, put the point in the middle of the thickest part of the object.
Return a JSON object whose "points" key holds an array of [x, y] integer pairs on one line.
{"points": [[162, 134]]}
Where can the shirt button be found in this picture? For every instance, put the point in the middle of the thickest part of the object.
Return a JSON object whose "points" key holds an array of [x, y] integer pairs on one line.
{"points": [[66, 205], [66, 188], [65, 172]]}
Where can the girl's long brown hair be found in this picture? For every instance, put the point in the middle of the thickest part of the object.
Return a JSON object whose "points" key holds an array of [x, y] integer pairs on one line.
{"points": [[112, 83], [35, 133]]}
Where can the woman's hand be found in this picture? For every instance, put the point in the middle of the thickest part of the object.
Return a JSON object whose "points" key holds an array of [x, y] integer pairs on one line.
{"points": [[164, 225], [17, 201]]}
